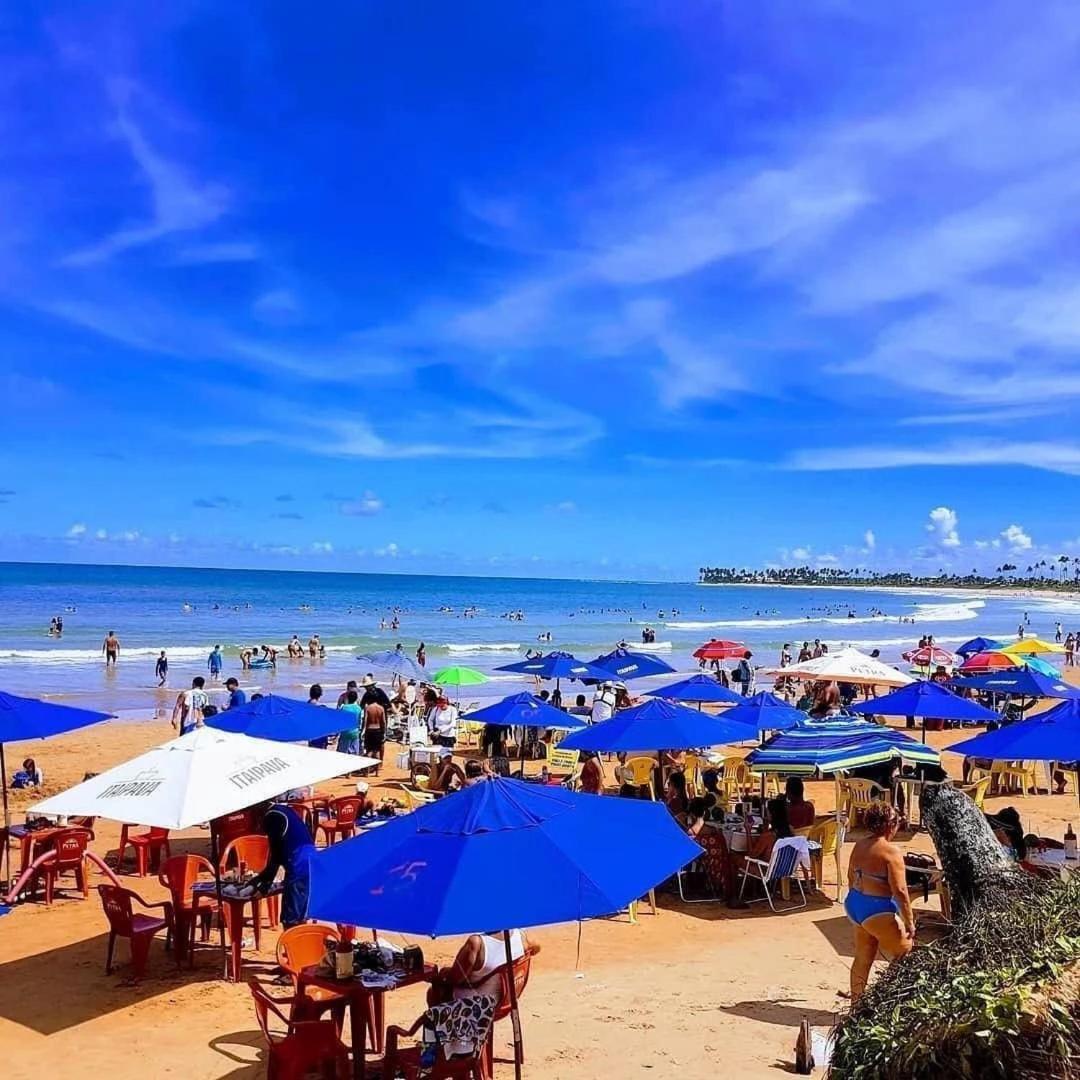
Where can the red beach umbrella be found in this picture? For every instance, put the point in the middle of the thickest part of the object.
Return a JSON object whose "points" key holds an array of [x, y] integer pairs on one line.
{"points": [[721, 650], [984, 662], [930, 655]]}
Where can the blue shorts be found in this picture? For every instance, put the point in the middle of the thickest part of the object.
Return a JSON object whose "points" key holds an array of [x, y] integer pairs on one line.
{"points": [[861, 906]]}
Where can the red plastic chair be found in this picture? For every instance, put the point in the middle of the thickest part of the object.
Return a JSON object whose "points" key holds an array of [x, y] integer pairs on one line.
{"points": [[252, 853], [407, 1060], [342, 819], [228, 827], [303, 946], [521, 968], [147, 846], [178, 874], [305, 1046], [138, 928], [69, 848]]}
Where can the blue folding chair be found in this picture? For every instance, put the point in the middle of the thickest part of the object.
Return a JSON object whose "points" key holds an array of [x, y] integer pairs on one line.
{"points": [[783, 863]]}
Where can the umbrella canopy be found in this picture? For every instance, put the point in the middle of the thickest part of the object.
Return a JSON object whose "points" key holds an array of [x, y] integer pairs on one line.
{"points": [[657, 724], [1051, 736], [766, 712], [501, 853], [623, 663], [847, 665], [825, 746], [279, 718], [930, 656], [397, 663], [1032, 646], [927, 699], [717, 649], [558, 665], [198, 777], [698, 688], [978, 645], [525, 710], [1022, 682], [459, 676], [982, 662], [29, 718], [1033, 663]]}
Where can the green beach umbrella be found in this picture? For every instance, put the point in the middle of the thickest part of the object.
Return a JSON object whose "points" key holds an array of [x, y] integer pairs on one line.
{"points": [[459, 676]]}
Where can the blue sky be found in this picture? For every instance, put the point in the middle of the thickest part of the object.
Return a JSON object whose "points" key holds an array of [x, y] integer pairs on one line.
{"points": [[592, 289]]}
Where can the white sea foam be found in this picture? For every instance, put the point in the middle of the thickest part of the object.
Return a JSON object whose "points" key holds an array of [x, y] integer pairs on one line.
{"points": [[967, 609], [489, 646], [86, 656]]}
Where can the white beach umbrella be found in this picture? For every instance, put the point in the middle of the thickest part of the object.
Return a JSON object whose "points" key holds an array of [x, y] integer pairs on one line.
{"points": [[198, 777], [846, 665]]}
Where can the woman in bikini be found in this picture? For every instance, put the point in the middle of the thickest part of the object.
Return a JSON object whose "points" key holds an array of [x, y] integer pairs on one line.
{"points": [[877, 902]]}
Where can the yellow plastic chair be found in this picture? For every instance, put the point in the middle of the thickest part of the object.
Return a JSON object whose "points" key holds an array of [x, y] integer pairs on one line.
{"points": [[692, 765], [734, 777], [830, 835], [642, 769], [1023, 772], [976, 791], [469, 732], [860, 795]]}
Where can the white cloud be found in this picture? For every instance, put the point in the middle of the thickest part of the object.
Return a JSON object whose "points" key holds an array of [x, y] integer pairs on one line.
{"points": [[76, 530], [178, 203], [943, 524], [1016, 538], [130, 536], [322, 547], [800, 553], [567, 506], [388, 552], [367, 505], [276, 306], [1063, 457], [869, 539], [101, 534]]}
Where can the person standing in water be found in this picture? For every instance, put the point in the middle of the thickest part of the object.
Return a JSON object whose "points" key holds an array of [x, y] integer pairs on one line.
{"points": [[111, 648], [421, 655], [161, 668], [213, 662]]}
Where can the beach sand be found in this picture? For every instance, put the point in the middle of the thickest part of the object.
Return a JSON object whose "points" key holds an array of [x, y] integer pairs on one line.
{"points": [[692, 992]]}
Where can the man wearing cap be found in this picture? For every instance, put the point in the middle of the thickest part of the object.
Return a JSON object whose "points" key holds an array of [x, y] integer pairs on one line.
{"points": [[603, 703], [442, 722]]}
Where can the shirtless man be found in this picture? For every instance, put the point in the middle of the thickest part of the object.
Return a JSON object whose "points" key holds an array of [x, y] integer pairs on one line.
{"points": [[111, 648]]}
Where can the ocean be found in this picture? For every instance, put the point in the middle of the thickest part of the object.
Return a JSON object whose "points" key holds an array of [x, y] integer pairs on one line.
{"points": [[463, 620]]}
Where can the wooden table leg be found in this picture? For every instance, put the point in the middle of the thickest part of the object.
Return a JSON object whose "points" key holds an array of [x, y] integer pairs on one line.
{"points": [[357, 1011]]}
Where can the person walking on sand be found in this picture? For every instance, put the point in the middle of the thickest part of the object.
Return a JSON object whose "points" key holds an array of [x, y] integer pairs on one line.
{"points": [[161, 668], [111, 648]]}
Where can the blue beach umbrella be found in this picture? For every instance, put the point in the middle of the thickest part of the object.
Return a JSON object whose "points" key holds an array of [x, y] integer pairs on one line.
{"points": [[625, 663], [558, 665], [524, 710], [1022, 682], [502, 853], [397, 663], [928, 700], [658, 724], [697, 688], [279, 718], [29, 718], [826, 746], [1051, 736], [766, 712], [978, 645]]}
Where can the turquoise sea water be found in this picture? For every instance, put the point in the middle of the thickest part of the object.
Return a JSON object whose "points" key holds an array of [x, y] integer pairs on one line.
{"points": [[187, 611]]}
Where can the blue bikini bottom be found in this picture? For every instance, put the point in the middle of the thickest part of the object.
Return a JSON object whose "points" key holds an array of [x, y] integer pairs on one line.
{"points": [[861, 906]]}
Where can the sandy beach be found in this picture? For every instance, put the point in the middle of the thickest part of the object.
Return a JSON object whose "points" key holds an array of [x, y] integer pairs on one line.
{"points": [[692, 991]]}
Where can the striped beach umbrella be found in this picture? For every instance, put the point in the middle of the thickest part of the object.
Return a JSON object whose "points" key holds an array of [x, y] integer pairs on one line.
{"points": [[842, 743]]}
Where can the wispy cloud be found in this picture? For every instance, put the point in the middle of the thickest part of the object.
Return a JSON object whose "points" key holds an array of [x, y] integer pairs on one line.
{"points": [[367, 505], [215, 502], [1053, 456], [179, 203]]}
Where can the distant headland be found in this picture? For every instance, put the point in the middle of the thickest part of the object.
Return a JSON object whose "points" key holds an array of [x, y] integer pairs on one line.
{"points": [[1061, 574]]}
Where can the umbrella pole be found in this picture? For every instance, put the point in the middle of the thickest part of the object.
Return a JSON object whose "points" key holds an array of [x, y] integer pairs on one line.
{"points": [[220, 902], [7, 819], [515, 1017], [924, 730]]}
